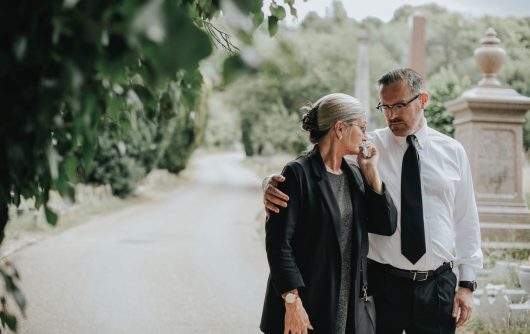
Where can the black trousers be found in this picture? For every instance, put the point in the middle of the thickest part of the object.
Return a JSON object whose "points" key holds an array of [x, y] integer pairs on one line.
{"points": [[414, 307]]}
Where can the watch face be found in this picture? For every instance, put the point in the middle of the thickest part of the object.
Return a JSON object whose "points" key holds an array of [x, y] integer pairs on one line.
{"points": [[290, 298]]}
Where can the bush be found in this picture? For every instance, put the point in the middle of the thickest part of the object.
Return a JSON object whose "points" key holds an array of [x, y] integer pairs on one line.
{"points": [[113, 166], [444, 86], [186, 130]]}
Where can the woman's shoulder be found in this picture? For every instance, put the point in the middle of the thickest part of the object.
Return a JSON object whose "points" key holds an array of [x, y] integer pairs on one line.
{"points": [[299, 166]]}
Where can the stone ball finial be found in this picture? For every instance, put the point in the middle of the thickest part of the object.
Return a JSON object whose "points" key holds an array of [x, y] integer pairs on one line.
{"points": [[489, 57]]}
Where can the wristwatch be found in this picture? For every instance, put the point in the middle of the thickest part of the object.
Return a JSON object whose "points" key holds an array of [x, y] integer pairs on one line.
{"points": [[471, 285], [290, 298]]}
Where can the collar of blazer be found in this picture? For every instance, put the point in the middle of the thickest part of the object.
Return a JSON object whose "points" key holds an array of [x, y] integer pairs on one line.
{"points": [[320, 173]]}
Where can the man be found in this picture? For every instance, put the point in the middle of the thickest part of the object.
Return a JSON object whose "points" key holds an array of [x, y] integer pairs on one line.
{"points": [[428, 176]]}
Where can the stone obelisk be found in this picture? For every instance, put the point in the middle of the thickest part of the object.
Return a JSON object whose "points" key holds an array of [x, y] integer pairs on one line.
{"points": [[488, 121], [362, 77], [417, 45]]}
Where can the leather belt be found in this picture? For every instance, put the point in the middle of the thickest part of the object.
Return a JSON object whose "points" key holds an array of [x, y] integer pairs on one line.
{"points": [[414, 275]]}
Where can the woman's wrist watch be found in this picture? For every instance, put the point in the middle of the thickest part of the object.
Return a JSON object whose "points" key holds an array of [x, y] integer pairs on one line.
{"points": [[290, 297], [471, 285]]}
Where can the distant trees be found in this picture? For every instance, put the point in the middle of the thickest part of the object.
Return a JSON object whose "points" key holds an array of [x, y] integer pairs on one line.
{"points": [[319, 57]]}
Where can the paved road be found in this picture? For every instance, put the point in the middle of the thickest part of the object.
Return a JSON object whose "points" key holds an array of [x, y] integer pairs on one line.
{"points": [[189, 262]]}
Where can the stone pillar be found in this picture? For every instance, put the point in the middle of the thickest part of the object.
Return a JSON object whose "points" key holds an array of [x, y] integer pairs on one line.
{"points": [[488, 121], [362, 77], [417, 45]]}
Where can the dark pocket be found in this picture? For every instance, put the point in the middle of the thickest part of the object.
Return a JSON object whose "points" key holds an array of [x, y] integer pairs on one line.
{"points": [[446, 292]]}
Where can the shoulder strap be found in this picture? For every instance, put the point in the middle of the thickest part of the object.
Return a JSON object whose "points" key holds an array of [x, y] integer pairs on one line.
{"points": [[364, 278]]}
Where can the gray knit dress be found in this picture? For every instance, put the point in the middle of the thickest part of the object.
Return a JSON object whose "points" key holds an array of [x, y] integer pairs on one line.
{"points": [[341, 190]]}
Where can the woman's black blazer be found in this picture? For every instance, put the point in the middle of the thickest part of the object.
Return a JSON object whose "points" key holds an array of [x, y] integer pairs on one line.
{"points": [[302, 242]]}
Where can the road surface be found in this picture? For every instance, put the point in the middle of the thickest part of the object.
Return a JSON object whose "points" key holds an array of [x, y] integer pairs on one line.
{"points": [[191, 261]]}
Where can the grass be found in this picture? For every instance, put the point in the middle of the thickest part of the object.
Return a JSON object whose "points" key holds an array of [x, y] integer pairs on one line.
{"points": [[477, 326]]}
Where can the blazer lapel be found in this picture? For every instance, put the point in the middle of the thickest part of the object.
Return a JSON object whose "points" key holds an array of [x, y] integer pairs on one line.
{"points": [[324, 186]]}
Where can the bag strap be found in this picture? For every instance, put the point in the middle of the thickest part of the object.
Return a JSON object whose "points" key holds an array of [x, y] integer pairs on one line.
{"points": [[364, 278]]}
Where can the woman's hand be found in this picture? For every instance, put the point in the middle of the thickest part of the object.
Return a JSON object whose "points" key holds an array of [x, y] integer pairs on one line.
{"points": [[296, 318], [368, 167]]}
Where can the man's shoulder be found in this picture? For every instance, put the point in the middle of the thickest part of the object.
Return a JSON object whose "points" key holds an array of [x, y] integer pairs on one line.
{"points": [[447, 145], [442, 139]]}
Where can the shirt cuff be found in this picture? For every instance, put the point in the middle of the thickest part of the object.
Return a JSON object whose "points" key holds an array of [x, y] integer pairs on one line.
{"points": [[466, 273]]}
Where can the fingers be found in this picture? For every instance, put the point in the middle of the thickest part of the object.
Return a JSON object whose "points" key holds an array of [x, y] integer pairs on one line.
{"points": [[277, 178], [461, 311], [270, 199], [271, 208], [273, 198], [456, 308], [465, 314], [272, 190]]}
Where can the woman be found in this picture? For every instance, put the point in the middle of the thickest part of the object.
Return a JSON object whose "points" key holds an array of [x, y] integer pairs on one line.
{"points": [[315, 244]]}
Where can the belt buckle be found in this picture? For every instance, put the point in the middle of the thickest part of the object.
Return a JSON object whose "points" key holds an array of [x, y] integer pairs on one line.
{"points": [[421, 279]]}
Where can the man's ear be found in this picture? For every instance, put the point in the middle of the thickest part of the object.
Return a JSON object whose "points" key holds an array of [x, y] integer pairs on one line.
{"points": [[424, 98]]}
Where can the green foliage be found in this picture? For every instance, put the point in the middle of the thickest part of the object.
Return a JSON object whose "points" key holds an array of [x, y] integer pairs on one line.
{"points": [[64, 72], [85, 92], [298, 66], [185, 131], [319, 56], [113, 165], [443, 86]]}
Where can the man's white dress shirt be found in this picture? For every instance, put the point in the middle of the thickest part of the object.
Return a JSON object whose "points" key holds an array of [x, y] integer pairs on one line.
{"points": [[452, 231]]}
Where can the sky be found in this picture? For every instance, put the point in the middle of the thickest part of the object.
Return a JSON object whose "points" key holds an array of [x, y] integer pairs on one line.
{"points": [[384, 9]]}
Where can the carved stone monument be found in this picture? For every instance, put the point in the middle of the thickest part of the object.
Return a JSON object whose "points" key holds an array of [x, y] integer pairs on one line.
{"points": [[488, 121], [417, 44]]}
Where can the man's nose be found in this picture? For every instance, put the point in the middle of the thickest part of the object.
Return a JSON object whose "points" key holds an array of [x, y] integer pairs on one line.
{"points": [[391, 114]]}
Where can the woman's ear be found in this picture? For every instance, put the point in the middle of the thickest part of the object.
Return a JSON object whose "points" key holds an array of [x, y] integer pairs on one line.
{"points": [[338, 130]]}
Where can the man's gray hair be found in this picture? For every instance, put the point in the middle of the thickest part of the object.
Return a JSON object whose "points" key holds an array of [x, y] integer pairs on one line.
{"points": [[411, 77]]}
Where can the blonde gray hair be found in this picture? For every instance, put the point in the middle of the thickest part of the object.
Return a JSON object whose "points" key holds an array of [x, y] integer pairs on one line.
{"points": [[322, 115]]}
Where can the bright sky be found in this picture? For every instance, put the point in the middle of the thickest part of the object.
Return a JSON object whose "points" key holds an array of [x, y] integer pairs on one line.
{"points": [[384, 9]]}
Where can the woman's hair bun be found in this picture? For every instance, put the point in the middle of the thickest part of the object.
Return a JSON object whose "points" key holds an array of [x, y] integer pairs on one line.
{"points": [[309, 119]]}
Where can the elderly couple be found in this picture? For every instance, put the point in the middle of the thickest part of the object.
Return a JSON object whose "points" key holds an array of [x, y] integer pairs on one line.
{"points": [[332, 223]]}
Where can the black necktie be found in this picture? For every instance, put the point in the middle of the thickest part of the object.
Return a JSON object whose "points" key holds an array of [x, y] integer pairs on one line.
{"points": [[412, 230]]}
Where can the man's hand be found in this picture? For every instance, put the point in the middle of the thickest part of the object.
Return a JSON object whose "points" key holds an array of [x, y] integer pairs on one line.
{"points": [[462, 306], [296, 318], [272, 197]]}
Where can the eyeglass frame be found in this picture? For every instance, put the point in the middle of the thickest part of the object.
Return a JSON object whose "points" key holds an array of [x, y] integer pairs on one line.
{"points": [[362, 128], [398, 107]]}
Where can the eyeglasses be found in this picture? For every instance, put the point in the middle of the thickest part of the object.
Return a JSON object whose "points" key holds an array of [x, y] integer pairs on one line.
{"points": [[398, 107], [363, 128]]}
